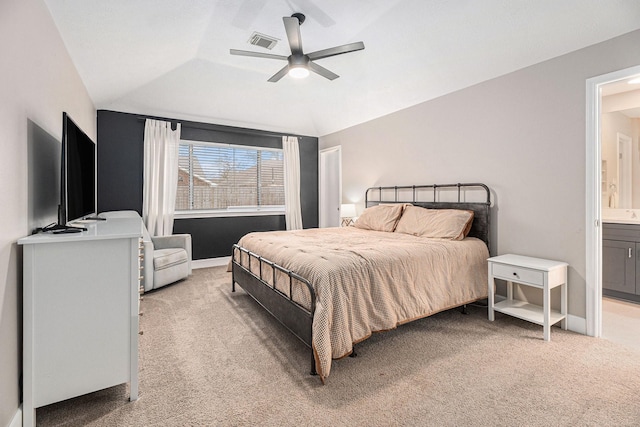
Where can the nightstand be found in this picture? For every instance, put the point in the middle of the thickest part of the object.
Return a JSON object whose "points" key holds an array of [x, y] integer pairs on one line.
{"points": [[535, 272]]}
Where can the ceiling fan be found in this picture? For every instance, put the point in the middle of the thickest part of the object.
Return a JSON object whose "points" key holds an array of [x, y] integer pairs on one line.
{"points": [[299, 63]]}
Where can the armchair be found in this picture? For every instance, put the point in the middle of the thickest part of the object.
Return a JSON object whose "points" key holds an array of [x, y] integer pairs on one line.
{"points": [[167, 259]]}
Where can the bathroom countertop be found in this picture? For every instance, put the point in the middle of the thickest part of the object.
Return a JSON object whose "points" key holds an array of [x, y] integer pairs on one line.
{"points": [[621, 216], [621, 221]]}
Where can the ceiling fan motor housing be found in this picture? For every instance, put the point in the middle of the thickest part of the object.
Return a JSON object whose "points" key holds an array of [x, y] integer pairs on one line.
{"points": [[299, 16], [298, 61]]}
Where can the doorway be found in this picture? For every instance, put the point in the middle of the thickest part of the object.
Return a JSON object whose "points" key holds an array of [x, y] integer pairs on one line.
{"points": [[330, 186], [594, 193]]}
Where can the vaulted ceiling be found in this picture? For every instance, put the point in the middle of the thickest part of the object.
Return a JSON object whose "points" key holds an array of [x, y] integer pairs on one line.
{"points": [[171, 57]]}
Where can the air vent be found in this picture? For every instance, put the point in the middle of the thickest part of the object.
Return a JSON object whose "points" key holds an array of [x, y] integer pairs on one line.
{"points": [[263, 40]]}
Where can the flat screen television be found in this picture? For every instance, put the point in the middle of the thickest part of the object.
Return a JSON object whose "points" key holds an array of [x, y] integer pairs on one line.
{"points": [[78, 174]]}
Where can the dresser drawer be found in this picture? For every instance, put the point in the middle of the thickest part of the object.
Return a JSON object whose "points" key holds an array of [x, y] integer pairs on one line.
{"points": [[517, 274]]}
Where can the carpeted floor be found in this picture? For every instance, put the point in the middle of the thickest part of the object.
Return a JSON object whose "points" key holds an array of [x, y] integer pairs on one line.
{"points": [[209, 357]]}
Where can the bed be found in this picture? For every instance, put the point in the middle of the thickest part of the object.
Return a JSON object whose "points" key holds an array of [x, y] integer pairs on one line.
{"points": [[334, 287]]}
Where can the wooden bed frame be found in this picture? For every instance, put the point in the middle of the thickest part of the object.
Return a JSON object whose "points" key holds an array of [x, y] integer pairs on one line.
{"points": [[298, 319]]}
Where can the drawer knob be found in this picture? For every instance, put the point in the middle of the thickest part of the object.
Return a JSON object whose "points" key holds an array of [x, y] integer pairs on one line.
{"points": [[515, 274]]}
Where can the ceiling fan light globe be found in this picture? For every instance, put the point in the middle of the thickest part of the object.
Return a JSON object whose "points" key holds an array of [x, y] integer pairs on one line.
{"points": [[298, 72]]}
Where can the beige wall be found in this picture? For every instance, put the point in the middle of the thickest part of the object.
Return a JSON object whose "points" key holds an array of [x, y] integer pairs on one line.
{"points": [[621, 101], [522, 134], [613, 121], [38, 82]]}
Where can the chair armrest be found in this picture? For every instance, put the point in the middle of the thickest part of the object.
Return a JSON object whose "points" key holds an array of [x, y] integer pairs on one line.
{"points": [[174, 241]]}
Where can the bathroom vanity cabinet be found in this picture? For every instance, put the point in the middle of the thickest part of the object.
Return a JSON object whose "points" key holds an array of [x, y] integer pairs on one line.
{"points": [[621, 260]]}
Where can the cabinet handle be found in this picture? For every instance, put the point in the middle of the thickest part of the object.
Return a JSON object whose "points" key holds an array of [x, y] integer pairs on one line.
{"points": [[630, 252]]}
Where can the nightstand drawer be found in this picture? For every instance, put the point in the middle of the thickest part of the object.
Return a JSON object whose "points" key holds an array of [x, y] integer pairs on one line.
{"points": [[518, 274]]}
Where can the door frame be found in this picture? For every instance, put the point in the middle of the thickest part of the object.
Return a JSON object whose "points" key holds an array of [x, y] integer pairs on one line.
{"points": [[321, 181], [593, 217]]}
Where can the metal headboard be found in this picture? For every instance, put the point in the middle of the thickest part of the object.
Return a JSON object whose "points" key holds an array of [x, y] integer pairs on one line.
{"points": [[441, 196]]}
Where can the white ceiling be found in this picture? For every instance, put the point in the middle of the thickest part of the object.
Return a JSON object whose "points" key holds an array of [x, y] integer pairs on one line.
{"points": [[171, 57]]}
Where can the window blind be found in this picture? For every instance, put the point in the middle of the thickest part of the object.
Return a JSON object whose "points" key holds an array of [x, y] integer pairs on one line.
{"points": [[223, 177]]}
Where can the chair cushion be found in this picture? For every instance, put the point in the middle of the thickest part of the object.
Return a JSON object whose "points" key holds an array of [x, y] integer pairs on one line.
{"points": [[167, 258], [170, 275]]}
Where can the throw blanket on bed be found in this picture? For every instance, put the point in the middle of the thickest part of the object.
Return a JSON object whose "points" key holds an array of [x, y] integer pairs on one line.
{"points": [[368, 281]]}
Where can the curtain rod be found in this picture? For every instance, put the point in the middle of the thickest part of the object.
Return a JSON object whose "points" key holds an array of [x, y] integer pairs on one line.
{"points": [[212, 127]]}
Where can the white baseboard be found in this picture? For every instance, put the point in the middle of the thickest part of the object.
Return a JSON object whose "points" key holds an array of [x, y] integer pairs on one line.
{"points": [[577, 324], [17, 418], [210, 262]]}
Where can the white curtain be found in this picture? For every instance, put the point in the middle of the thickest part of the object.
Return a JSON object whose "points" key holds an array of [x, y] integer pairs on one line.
{"points": [[293, 214], [160, 176]]}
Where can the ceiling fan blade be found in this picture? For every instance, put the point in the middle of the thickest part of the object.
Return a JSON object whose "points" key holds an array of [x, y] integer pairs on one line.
{"points": [[292, 26], [338, 50], [322, 71], [256, 54], [280, 74]]}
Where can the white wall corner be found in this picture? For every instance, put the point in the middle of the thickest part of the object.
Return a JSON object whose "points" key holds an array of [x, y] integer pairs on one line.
{"points": [[17, 418], [577, 324]]}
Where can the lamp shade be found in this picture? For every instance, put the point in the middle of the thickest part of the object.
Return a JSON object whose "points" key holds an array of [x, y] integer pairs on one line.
{"points": [[347, 210]]}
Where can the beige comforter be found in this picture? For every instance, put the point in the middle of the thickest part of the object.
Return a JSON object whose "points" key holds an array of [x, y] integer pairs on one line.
{"points": [[369, 281]]}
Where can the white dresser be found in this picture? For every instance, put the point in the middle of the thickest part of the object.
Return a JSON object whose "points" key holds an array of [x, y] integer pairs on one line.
{"points": [[80, 312]]}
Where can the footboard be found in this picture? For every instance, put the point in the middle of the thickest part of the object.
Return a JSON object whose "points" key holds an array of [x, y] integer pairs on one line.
{"points": [[253, 273]]}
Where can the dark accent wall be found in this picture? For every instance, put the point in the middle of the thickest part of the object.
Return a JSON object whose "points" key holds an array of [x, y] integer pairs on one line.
{"points": [[120, 177], [216, 235], [120, 161]]}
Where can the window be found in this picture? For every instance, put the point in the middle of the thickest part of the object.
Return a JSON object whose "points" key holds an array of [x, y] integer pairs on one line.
{"points": [[229, 179]]}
